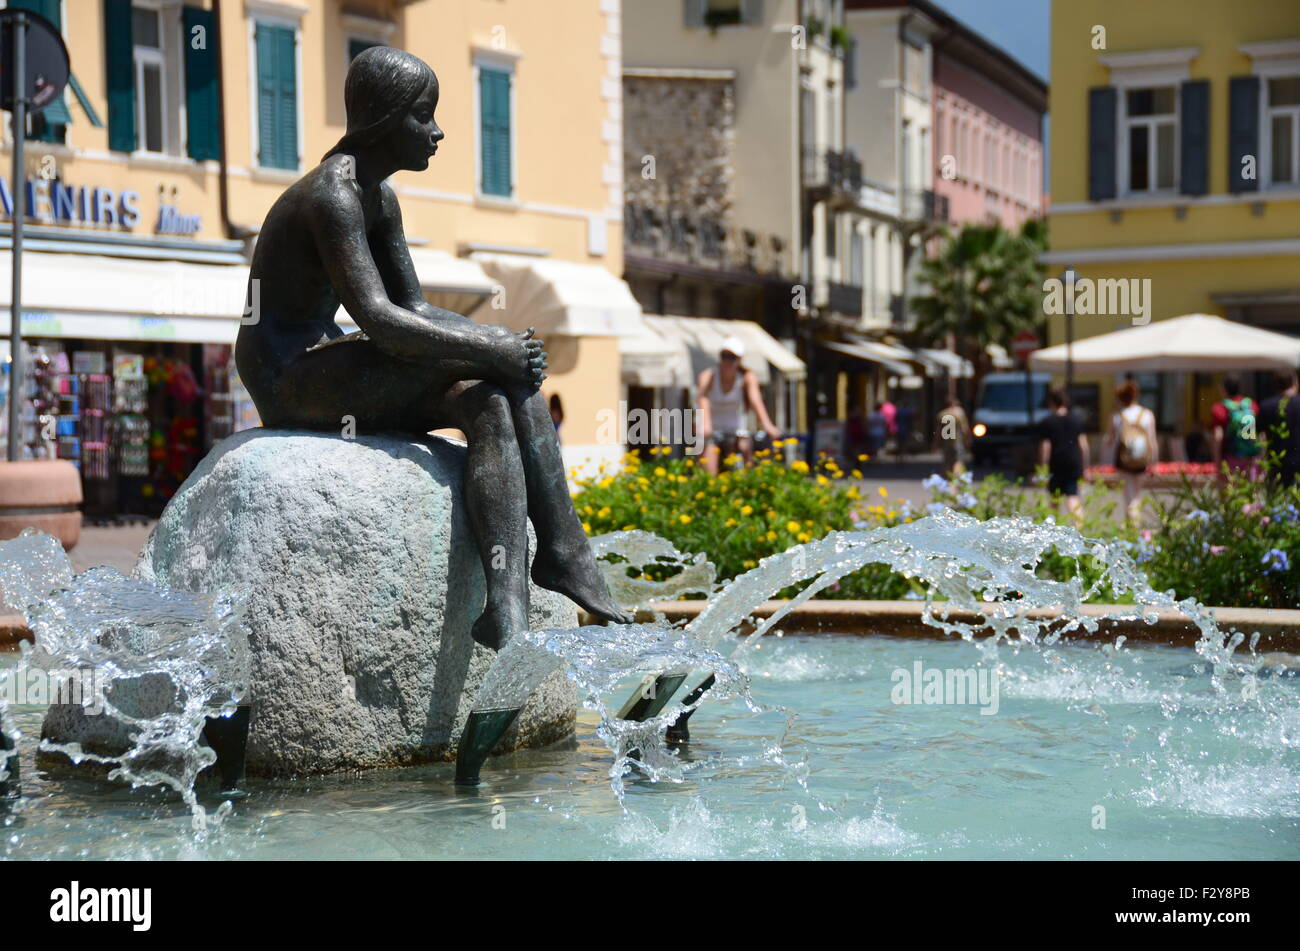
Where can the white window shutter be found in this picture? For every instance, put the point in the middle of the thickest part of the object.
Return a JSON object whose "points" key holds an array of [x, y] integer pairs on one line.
{"points": [[694, 12], [751, 12]]}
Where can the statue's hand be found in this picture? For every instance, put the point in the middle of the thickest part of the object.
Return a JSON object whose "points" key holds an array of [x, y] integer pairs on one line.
{"points": [[519, 359]]}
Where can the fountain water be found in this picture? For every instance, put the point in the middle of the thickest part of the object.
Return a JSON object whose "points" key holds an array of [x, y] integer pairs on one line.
{"points": [[989, 567]]}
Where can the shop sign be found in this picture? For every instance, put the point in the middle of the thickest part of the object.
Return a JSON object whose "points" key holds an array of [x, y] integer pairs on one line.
{"points": [[53, 202]]}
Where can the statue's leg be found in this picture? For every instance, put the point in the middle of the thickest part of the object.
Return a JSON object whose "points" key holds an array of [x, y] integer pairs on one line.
{"points": [[495, 496], [564, 561], [353, 380]]}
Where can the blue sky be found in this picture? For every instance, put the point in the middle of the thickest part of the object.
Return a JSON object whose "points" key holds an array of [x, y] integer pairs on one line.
{"points": [[1022, 28]]}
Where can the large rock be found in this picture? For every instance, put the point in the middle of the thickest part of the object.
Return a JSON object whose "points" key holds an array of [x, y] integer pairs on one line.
{"points": [[363, 583]]}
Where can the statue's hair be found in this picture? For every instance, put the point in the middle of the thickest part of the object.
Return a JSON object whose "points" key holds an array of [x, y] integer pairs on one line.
{"points": [[382, 84]]}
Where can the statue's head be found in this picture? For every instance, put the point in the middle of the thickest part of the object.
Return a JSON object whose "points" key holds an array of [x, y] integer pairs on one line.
{"points": [[390, 97]]}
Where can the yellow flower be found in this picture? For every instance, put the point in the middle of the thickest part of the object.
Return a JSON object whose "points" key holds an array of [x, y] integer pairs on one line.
{"points": [[699, 495], [586, 528], [799, 466], [884, 493], [805, 537], [731, 460], [604, 512], [770, 536], [685, 519], [628, 528], [857, 473], [822, 480], [792, 527], [750, 563], [660, 471], [863, 458], [747, 510], [730, 522]]}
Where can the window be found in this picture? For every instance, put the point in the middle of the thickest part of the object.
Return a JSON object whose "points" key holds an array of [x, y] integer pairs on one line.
{"points": [[276, 48], [1282, 122], [1149, 126], [495, 132], [151, 94], [855, 257], [357, 45]]}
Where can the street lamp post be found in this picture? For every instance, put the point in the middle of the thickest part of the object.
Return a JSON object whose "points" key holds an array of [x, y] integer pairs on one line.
{"points": [[18, 54], [1067, 281]]}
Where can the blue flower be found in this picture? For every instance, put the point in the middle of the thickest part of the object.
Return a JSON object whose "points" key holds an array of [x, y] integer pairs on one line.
{"points": [[1275, 559], [1199, 515], [934, 508], [967, 501], [935, 483]]}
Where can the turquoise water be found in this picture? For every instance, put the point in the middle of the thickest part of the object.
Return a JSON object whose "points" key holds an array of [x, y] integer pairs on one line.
{"points": [[1180, 772]]}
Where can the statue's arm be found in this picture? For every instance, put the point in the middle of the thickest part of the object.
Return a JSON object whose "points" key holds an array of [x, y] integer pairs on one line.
{"points": [[393, 259], [338, 225]]}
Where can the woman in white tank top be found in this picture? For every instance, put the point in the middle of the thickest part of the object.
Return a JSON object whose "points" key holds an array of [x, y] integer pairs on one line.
{"points": [[725, 392]]}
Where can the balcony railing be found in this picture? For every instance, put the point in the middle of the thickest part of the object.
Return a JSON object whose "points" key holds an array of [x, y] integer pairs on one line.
{"points": [[835, 176], [844, 298], [700, 240], [923, 205]]}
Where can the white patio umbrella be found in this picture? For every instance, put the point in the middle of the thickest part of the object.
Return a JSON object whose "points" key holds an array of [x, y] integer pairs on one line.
{"points": [[1195, 342]]}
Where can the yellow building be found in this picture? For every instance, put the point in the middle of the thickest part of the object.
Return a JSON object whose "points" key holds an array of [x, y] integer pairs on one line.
{"points": [[150, 177], [1175, 159]]}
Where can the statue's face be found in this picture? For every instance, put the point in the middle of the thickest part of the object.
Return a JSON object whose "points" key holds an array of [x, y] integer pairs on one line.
{"points": [[416, 139]]}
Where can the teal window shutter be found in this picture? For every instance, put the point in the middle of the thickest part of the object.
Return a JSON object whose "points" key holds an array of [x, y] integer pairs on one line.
{"points": [[203, 131], [52, 121], [119, 74], [494, 125], [277, 97]]}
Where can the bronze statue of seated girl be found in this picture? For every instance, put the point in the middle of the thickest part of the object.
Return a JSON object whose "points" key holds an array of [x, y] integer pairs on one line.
{"points": [[335, 236]]}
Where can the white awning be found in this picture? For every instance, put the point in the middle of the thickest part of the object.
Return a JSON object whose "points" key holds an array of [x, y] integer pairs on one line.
{"points": [[456, 284], [653, 359], [560, 297], [96, 284], [702, 339], [879, 354], [950, 362]]}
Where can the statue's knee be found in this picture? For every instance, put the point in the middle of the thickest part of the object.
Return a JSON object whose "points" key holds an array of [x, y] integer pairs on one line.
{"points": [[484, 409]]}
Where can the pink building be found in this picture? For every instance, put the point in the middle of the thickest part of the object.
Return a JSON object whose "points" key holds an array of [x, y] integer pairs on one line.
{"points": [[988, 128]]}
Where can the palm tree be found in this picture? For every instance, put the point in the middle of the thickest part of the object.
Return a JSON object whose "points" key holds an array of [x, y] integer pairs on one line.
{"points": [[983, 286]]}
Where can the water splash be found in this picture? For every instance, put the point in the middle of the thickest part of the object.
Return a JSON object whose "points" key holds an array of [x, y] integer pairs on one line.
{"points": [[160, 662], [986, 568]]}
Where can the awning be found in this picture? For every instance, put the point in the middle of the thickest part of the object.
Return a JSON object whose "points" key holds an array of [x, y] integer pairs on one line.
{"points": [[913, 359], [101, 298], [456, 284], [653, 359], [950, 362], [702, 339], [561, 297], [871, 353], [1193, 342]]}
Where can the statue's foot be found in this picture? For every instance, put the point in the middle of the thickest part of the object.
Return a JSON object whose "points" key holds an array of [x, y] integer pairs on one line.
{"points": [[498, 623], [577, 577]]}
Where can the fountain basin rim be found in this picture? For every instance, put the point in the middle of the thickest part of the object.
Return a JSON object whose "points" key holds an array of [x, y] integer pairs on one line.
{"points": [[1279, 628]]}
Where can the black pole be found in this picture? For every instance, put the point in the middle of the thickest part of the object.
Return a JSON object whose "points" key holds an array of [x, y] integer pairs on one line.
{"points": [[1069, 330], [18, 56]]}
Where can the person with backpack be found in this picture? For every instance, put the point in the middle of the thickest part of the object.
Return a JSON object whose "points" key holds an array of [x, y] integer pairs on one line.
{"points": [[1279, 424], [1236, 438], [1133, 435]]}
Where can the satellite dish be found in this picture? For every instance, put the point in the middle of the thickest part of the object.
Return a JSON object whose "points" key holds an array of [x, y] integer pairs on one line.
{"points": [[46, 67]]}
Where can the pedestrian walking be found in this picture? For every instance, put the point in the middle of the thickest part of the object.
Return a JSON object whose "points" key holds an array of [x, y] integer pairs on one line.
{"points": [[1132, 440]]}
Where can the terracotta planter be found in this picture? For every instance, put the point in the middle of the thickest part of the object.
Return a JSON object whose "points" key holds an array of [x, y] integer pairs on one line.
{"points": [[44, 494]]}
